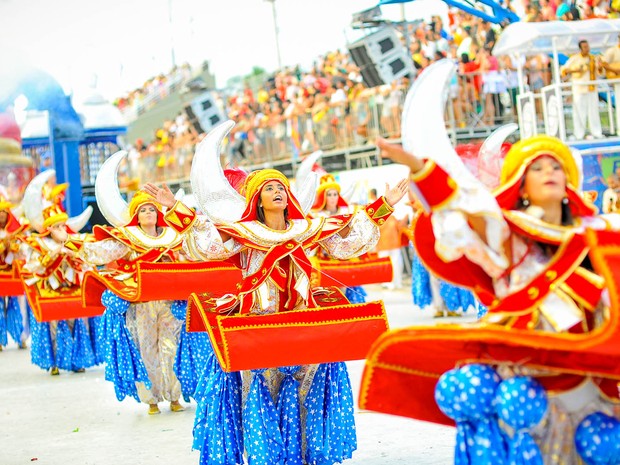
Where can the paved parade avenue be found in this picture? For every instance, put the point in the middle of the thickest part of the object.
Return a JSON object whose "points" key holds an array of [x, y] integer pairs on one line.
{"points": [[75, 419]]}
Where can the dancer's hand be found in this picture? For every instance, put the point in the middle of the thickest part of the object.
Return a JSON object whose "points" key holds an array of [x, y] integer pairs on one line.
{"points": [[163, 194], [393, 195], [399, 155]]}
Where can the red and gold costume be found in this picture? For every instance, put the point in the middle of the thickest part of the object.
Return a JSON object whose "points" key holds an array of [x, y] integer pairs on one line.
{"points": [[150, 323], [9, 243], [276, 281], [549, 311], [350, 273], [274, 264], [52, 274]]}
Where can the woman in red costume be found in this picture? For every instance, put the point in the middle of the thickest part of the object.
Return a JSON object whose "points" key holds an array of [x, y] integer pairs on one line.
{"points": [[267, 233], [328, 203], [525, 252], [52, 267], [152, 326]]}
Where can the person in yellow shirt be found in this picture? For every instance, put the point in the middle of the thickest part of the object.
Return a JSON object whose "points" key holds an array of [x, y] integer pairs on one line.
{"points": [[582, 68]]}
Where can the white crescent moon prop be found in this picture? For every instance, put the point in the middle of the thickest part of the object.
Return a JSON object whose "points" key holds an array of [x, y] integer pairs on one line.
{"points": [[217, 199], [489, 162], [423, 125], [76, 223], [113, 206], [33, 199], [307, 182]]}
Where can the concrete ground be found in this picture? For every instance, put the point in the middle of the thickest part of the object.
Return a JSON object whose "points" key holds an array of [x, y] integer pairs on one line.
{"points": [[75, 419]]}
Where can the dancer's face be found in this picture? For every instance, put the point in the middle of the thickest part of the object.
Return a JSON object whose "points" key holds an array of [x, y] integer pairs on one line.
{"points": [[58, 232], [147, 215], [331, 200], [545, 181], [273, 197]]}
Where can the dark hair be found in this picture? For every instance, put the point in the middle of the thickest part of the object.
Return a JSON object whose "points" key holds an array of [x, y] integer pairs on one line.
{"points": [[583, 41]]}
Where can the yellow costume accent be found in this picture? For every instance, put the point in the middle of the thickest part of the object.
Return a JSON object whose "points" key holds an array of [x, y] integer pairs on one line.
{"points": [[5, 205], [525, 151], [256, 179], [54, 215], [141, 198], [328, 182]]}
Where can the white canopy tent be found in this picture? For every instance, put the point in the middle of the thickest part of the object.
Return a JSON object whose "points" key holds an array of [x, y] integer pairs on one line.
{"points": [[554, 37]]}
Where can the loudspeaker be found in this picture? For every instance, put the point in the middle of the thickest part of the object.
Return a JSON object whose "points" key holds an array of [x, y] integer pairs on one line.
{"points": [[381, 57], [203, 113]]}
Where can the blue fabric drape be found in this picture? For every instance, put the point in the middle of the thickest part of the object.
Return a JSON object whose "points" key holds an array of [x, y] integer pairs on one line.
{"points": [[83, 355], [192, 353], [263, 440], [14, 321], [289, 415], [41, 350], [64, 346], [218, 432], [124, 365]]}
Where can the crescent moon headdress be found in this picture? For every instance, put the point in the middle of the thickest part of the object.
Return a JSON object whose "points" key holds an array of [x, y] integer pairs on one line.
{"points": [[41, 213], [113, 206], [222, 203]]}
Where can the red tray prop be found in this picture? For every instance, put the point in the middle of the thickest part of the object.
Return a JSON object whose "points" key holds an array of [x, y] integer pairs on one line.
{"points": [[163, 281], [335, 331], [64, 304], [408, 362], [356, 272], [10, 283]]}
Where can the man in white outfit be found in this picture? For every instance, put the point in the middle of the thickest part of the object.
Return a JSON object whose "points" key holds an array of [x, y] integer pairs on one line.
{"points": [[611, 64], [582, 68]]}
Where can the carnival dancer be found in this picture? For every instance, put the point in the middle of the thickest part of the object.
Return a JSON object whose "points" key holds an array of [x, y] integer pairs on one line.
{"points": [[150, 376], [329, 202], [13, 313], [525, 252], [52, 266], [265, 411]]}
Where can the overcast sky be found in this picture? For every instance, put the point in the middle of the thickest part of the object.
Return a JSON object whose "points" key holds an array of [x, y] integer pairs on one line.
{"points": [[125, 42]]}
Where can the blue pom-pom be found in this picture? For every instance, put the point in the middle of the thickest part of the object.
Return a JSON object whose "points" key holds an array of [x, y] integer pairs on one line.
{"points": [[521, 402], [114, 303], [447, 395], [467, 393], [597, 439], [478, 384]]}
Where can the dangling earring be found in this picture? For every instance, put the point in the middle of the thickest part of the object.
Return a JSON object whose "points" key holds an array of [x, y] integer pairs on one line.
{"points": [[565, 200], [525, 201]]}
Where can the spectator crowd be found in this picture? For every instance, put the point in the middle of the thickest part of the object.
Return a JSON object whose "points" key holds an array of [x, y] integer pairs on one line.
{"points": [[295, 111]]}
